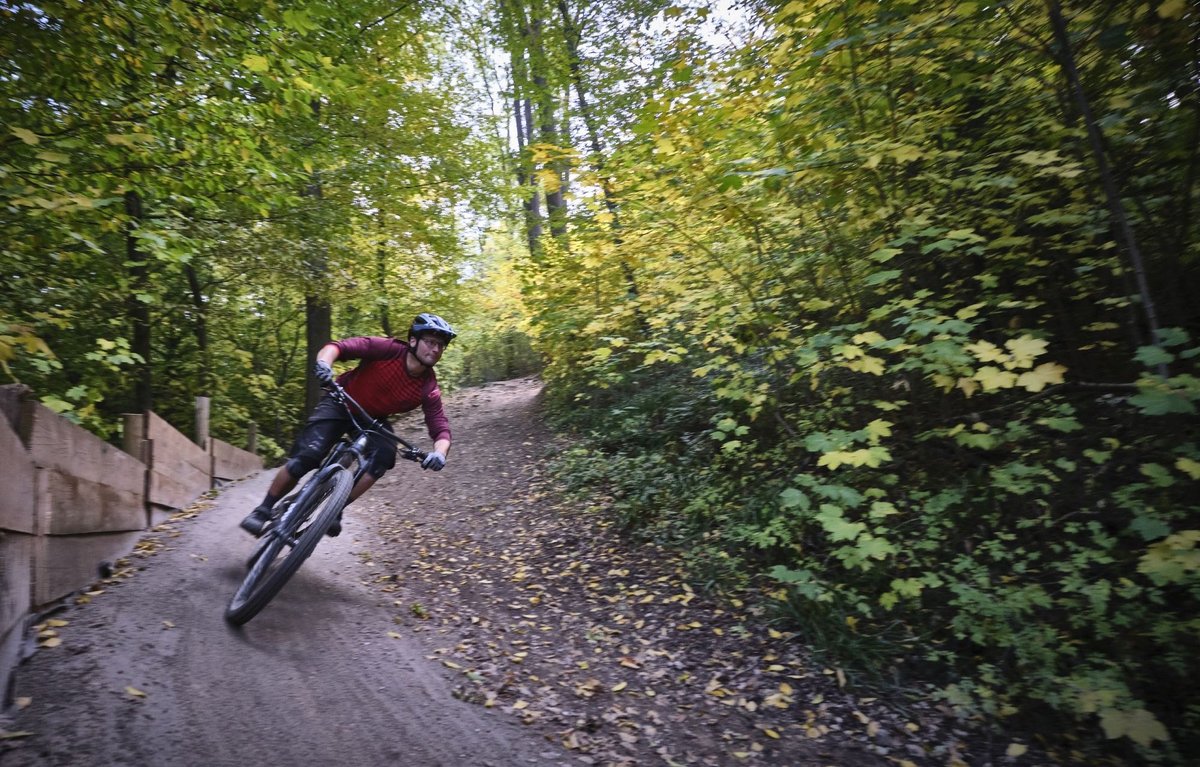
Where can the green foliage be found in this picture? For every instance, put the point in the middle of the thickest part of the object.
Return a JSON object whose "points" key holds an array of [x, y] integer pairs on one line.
{"points": [[865, 254], [180, 179]]}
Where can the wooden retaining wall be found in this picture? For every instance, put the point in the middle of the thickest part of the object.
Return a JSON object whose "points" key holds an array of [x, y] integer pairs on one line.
{"points": [[16, 549], [71, 503]]}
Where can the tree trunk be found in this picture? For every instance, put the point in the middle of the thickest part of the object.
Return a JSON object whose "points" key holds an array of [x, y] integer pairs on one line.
{"points": [[523, 114], [1122, 229], [139, 309], [548, 133], [318, 317], [572, 34], [200, 329], [318, 314]]}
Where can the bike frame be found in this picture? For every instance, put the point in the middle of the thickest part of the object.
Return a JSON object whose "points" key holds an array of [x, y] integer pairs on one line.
{"points": [[349, 452], [298, 525]]}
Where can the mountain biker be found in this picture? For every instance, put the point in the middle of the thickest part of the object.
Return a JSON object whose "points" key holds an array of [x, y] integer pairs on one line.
{"points": [[393, 377]]}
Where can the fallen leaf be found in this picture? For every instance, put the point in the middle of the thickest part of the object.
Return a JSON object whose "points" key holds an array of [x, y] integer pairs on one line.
{"points": [[770, 733], [135, 692], [619, 686]]}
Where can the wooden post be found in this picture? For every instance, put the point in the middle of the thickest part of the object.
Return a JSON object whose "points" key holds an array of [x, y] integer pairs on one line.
{"points": [[252, 438], [202, 406], [133, 439]]}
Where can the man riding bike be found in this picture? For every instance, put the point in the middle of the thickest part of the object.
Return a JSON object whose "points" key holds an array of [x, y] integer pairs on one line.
{"points": [[393, 377]]}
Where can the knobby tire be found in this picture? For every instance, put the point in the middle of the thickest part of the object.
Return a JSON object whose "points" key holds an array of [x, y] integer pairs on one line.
{"points": [[327, 492]]}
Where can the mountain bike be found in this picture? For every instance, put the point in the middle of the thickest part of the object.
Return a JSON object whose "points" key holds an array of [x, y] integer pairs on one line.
{"points": [[300, 519]]}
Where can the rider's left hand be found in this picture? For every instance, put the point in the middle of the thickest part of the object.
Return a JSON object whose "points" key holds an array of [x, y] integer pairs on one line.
{"points": [[435, 460]]}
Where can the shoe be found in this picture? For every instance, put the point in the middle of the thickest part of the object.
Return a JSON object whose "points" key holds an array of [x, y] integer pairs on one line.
{"points": [[335, 529], [256, 521]]}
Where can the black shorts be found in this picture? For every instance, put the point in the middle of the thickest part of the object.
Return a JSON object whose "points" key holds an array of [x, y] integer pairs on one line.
{"points": [[327, 423]]}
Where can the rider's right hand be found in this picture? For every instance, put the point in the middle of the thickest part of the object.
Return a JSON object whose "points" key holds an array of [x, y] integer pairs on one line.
{"points": [[323, 372]]}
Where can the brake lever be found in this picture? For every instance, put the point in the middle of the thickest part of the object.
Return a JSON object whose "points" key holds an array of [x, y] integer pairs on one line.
{"points": [[414, 454]]}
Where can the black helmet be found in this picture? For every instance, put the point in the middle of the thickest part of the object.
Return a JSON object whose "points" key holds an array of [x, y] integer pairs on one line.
{"points": [[431, 323]]}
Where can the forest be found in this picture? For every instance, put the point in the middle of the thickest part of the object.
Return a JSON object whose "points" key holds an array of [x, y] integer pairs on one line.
{"points": [[876, 310]]}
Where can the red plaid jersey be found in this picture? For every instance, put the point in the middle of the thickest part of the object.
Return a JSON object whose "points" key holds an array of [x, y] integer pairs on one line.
{"points": [[382, 385]]}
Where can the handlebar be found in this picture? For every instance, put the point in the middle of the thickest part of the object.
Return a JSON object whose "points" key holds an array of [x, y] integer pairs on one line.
{"points": [[409, 452]]}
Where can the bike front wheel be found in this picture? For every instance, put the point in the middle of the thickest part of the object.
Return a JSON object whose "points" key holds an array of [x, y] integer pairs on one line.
{"points": [[290, 541]]}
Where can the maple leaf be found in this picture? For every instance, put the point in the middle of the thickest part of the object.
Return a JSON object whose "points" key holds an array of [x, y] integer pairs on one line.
{"points": [[1188, 467], [986, 351], [993, 378], [867, 364], [1040, 377], [1139, 725], [1025, 349], [879, 428]]}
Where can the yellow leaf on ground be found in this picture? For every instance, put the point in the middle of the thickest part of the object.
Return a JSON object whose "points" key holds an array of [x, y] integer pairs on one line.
{"points": [[770, 733], [619, 686], [1016, 749], [135, 692]]}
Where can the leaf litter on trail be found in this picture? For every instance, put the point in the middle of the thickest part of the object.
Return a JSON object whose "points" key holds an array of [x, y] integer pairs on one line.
{"points": [[559, 626], [540, 609]]}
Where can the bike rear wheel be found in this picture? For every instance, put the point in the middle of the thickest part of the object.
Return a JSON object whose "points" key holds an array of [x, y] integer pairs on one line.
{"points": [[290, 541]]}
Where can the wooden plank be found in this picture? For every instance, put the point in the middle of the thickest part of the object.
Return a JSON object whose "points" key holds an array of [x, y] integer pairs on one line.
{"points": [[69, 505], [180, 470], [11, 398], [56, 443], [10, 655], [230, 462], [16, 564], [203, 408], [63, 564], [16, 488], [133, 436], [166, 490]]}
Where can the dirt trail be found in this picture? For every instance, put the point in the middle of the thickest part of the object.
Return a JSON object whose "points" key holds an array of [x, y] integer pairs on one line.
{"points": [[148, 672], [467, 617]]}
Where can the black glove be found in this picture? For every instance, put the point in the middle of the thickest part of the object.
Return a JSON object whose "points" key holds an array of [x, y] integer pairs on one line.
{"points": [[323, 372], [434, 460]]}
